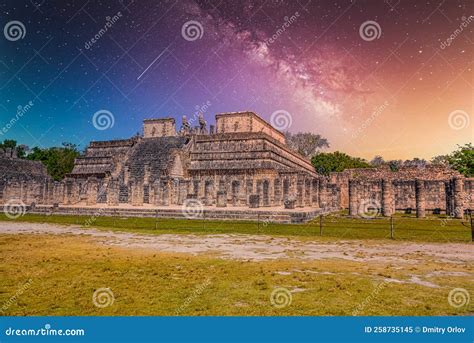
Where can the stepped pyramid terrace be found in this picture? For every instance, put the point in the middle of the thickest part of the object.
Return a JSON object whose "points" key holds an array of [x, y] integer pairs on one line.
{"points": [[238, 168]]}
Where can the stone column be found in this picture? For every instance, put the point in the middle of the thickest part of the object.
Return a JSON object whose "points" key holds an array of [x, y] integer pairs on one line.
{"points": [[449, 198], [322, 193], [271, 192], [315, 192], [293, 186], [259, 191], [387, 198], [309, 192], [165, 192], [136, 188], [420, 199], [156, 189], [300, 191], [221, 199], [458, 195], [201, 191], [278, 192], [92, 189], [248, 188], [353, 201], [113, 191]]}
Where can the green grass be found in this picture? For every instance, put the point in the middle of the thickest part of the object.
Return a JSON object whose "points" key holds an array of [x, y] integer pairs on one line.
{"points": [[66, 270], [434, 228]]}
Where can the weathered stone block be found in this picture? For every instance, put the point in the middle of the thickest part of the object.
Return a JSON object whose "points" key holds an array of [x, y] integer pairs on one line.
{"points": [[221, 199]]}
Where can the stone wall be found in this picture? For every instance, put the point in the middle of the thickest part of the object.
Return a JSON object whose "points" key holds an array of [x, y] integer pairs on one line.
{"points": [[165, 127], [233, 122]]}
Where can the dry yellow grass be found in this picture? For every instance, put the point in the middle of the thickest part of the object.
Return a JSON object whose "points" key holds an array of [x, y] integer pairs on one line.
{"points": [[65, 271]]}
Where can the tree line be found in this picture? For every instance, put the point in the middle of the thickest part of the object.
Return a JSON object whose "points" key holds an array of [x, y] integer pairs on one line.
{"points": [[59, 161], [310, 145]]}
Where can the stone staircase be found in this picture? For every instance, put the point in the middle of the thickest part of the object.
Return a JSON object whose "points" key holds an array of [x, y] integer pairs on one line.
{"points": [[207, 214]]}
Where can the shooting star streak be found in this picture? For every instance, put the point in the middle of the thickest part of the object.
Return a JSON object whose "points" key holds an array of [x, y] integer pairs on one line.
{"points": [[156, 59]]}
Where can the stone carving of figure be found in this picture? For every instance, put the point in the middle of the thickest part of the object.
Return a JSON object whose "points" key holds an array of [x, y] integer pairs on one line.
{"points": [[185, 127], [202, 124]]}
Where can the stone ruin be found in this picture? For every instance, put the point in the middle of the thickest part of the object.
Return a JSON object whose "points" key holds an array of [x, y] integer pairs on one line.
{"points": [[426, 189], [241, 162]]}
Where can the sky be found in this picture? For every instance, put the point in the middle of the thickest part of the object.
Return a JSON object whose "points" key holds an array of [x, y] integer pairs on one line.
{"points": [[391, 78]]}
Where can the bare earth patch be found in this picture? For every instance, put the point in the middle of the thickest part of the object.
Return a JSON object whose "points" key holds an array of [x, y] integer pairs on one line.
{"points": [[261, 247]]}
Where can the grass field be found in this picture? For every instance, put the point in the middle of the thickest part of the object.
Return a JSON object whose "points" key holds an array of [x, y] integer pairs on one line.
{"points": [[434, 228], [58, 275]]}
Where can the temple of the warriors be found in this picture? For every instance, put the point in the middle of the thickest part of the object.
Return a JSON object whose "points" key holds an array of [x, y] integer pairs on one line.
{"points": [[238, 168]]}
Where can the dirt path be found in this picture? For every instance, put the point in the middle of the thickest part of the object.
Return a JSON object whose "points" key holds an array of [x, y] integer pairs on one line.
{"points": [[260, 247]]}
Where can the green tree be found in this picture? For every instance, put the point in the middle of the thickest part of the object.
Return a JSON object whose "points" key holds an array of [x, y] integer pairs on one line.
{"points": [[462, 160], [59, 161], [326, 163], [8, 143]]}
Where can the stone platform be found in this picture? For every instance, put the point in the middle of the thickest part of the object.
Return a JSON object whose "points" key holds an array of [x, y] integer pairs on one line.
{"points": [[267, 214]]}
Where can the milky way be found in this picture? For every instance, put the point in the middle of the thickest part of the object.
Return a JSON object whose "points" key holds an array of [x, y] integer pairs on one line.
{"points": [[375, 77]]}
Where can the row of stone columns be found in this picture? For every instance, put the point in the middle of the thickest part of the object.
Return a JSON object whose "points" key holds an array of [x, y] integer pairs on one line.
{"points": [[454, 197]]}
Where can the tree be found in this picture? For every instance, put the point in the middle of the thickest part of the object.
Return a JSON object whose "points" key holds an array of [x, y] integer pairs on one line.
{"points": [[377, 161], [12, 144], [440, 160], [8, 143], [59, 161], [462, 160], [416, 162], [395, 165], [306, 144], [326, 163]]}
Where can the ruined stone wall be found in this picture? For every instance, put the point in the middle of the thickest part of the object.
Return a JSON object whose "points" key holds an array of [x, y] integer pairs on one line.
{"points": [[246, 122], [469, 193], [165, 127], [24, 180]]}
